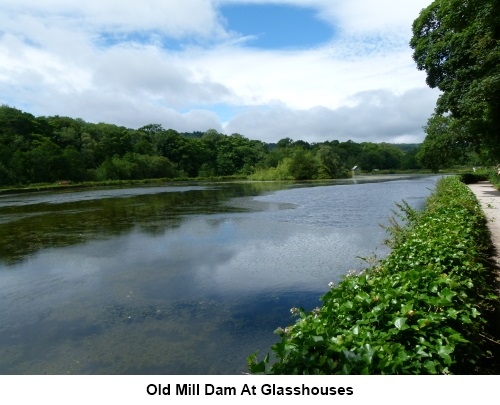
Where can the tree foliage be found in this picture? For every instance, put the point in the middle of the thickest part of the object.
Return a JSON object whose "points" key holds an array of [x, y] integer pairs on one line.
{"points": [[445, 144], [48, 149], [457, 43]]}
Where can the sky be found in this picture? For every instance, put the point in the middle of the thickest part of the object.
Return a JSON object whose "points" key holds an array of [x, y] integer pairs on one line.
{"points": [[312, 70]]}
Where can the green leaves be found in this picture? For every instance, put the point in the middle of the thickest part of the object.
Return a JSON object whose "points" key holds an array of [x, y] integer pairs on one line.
{"points": [[446, 297], [444, 352], [400, 323], [456, 43], [416, 312]]}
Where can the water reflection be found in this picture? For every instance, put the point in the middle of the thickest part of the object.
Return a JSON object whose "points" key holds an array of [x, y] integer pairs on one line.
{"points": [[169, 281], [32, 222]]}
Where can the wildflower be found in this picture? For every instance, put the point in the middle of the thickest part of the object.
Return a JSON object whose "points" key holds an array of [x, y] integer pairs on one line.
{"points": [[294, 310], [331, 284]]}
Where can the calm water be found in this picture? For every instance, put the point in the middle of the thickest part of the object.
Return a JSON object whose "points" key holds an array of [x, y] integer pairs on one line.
{"points": [[177, 279]]}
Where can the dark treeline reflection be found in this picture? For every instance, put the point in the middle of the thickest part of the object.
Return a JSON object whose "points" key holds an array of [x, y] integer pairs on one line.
{"points": [[29, 223]]}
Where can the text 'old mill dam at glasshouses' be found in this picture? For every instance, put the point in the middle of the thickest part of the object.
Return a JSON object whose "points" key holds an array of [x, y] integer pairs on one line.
{"points": [[178, 278]]}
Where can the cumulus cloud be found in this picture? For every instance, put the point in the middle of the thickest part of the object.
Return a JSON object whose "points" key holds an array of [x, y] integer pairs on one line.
{"points": [[306, 78], [174, 63], [147, 73], [123, 110], [191, 17], [367, 16], [375, 116]]}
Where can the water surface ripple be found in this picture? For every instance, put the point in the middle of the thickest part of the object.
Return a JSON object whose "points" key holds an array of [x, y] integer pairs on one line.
{"points": [[177, 279]]}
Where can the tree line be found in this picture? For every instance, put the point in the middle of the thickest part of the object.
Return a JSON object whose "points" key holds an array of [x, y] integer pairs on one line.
{"points": [[457, 43], [49, 149]]}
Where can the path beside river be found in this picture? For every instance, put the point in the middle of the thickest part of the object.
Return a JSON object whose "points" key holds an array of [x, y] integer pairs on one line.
{"points": [[489, 198]]}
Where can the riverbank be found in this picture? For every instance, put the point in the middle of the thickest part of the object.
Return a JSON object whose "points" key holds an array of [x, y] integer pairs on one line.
{"points": [[110, 183], [430, 307], [65, 185]]}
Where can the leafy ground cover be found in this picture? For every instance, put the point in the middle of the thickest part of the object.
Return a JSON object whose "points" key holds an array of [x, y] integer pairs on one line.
{"points": [[425, 309]]}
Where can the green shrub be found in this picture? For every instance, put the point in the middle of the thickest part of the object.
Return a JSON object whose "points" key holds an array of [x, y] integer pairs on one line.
{"points": [[473, 177], [281, 172], [494, 178], [419, 311]]}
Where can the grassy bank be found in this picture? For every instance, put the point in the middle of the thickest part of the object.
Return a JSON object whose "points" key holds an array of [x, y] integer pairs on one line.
{"points": [[422, 310]]}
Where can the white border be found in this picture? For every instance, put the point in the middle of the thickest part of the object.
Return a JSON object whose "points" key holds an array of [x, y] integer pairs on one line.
{"points": [[367, 390]]}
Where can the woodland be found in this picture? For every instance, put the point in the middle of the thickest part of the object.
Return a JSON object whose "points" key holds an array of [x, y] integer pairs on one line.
{"points": [[43, 149]]}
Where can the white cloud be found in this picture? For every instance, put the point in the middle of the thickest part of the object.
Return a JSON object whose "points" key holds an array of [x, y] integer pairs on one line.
{"points": [[170, 17], [33, 66], [123, 110], [365, 16], [374, 116], [106, 60], [149, 74], [305, 79]]}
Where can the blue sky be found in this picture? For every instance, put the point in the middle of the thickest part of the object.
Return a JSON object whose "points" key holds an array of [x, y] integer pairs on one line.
{"points": [[274, 26], [314, 70]]}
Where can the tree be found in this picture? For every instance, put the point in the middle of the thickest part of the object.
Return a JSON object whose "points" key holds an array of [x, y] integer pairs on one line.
{"points": [[349, 153], [330, 166], [111, 140], [45, 162], [409, 160], [284, 143], [187, 153], [443, 146], [74, 165], [370, 158], [392, 156], [303, 165], [151, 129], [89, 150], [15, 122], [457, 43]]}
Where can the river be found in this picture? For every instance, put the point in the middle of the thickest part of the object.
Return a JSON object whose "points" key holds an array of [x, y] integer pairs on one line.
{"points": [[178, 278]]}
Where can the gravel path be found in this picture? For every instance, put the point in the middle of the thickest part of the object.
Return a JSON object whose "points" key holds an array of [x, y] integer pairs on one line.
{"points": [[489, 197]]}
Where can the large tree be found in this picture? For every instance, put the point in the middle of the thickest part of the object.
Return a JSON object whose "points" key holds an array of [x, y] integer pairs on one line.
{"points": [[444, 145], [457, 43]]}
